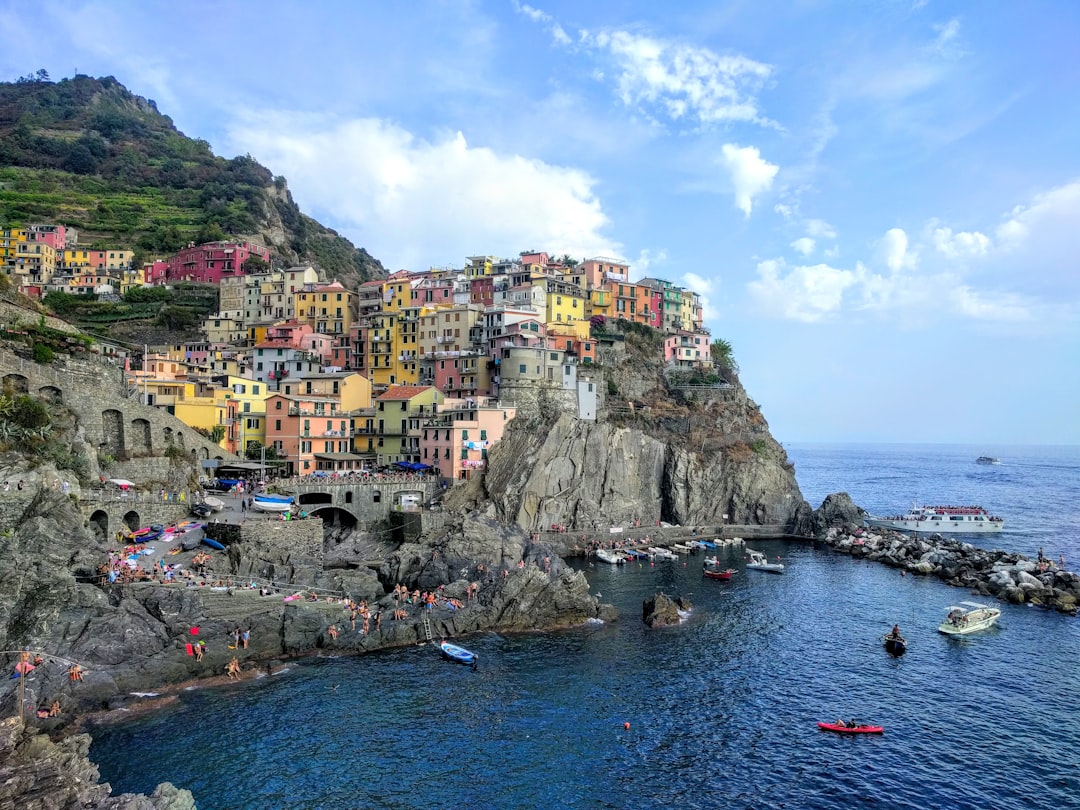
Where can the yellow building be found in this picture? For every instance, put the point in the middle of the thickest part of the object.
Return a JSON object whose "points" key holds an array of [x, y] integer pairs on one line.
{"points": [[381, 347], [328, 308], [563, 302], [352, 391], [479, 266], [600, 303], [34, 262], [9, 241], [399, 414]]}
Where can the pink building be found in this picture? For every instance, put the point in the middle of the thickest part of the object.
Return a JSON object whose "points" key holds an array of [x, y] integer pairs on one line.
{"points": [[55, 235], [690, 349], [456, 441], [599, 271], [156, 272], [291, 332], [213, 261]]}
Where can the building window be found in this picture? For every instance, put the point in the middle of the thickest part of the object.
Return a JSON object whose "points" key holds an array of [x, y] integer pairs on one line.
{"points": [[277, 424]]}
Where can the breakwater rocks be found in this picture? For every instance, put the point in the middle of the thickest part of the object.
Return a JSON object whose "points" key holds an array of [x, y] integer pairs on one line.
{"points": [[663, 611], [1009, 577]]}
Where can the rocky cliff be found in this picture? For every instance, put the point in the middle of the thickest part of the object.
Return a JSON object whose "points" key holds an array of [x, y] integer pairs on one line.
{"points": [[699, 457]]}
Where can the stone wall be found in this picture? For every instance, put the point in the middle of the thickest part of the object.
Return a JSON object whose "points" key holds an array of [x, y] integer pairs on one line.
{"points": [[279, 538], [109, 421]]}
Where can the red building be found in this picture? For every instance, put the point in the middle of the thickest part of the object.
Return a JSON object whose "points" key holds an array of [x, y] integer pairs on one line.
{"points": [[213, 261]]}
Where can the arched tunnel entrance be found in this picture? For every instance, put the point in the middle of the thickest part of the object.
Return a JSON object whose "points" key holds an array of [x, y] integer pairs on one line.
{"points": [[132, 521], [338, 525], [99, 525]]}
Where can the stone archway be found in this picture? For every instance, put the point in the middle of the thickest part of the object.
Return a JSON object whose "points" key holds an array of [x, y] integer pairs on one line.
{"points": [[112, 433], [17, 383], [99, 525], [339, 525], [141, 441], [51, 394], [132, 520], [315, 499]]}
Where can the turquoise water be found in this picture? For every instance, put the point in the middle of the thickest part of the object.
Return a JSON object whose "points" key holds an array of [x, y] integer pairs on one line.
{"points": [[722, 710]]}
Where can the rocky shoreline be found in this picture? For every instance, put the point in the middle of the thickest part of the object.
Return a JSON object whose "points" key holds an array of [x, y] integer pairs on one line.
{"points": [[1009, 577]]}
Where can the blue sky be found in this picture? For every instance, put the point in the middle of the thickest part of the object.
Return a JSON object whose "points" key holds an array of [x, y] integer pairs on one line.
{"points": [[880, 201]]}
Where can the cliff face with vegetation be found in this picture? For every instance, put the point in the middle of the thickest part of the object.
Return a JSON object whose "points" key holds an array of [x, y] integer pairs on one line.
{"points": [[684, 455], [88, 153]]}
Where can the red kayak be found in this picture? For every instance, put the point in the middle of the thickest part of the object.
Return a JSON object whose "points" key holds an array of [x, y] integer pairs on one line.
{"points": [[841, 728], [714, 574]]}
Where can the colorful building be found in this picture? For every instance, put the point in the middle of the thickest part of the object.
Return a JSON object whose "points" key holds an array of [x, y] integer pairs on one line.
{"points": [[213, 261], [399, 413], [456, 440]]}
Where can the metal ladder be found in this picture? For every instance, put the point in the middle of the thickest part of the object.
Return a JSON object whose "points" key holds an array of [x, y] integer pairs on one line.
{"points": [[427, 626]]}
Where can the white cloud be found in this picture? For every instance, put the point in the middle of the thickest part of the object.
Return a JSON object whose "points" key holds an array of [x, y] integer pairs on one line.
{"points": [[703, 287], [804, 293], [750, 174], [1054, 212], [805, 245], [646, 259], [536, 15], [683, 81], [813, 293], [893, 248], [413, 202], [784, 210], [960, 245], [820, 228]]}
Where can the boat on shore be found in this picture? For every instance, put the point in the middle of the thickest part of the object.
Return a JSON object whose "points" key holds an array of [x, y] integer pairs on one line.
{"points": [[610, 556], [759, 562], [968, 617], [846, 728], [452, 652], [216, 504], [941, 520], [272, 503], [987, 460]]}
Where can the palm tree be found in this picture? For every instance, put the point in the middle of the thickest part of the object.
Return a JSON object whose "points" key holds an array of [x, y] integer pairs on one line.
{"points": [[720, 350]]}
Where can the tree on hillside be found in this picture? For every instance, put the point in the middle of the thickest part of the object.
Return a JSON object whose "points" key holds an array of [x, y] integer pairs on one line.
{"points": [[254, 264], [720, 350], [568, 261]]}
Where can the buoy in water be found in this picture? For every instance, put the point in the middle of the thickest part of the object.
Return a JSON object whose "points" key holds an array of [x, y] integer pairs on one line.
{"points": [[626, 726]]}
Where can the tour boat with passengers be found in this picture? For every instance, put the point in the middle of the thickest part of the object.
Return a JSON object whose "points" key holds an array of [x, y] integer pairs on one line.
{"points": [[941, 520]]}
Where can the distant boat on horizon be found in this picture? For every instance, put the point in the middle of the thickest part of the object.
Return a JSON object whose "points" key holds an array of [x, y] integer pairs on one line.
{"points": [[987, 460]]}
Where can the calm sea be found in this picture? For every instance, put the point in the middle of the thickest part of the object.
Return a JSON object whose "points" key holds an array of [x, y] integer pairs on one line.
{"points": [[722, 710]]}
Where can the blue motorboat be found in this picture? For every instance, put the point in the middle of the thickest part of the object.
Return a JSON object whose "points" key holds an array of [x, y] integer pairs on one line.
{"points": [[460, 655]]}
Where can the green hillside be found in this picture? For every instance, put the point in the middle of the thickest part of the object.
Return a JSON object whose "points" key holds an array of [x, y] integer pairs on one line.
{"points": [[87, 153]]}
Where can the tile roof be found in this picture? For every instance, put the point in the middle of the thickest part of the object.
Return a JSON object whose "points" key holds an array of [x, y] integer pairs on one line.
{"points": [[404, 391]]}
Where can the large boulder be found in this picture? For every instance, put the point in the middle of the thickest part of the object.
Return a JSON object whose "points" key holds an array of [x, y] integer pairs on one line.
{"points": [[662, 610], [838, 510]]}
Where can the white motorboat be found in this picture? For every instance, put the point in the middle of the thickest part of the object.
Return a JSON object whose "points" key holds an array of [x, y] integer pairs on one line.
{"points": [[708, 561], [681, 548], [610, 557], [662, 553], [941, 520], [968, 617], [759, 562]]}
